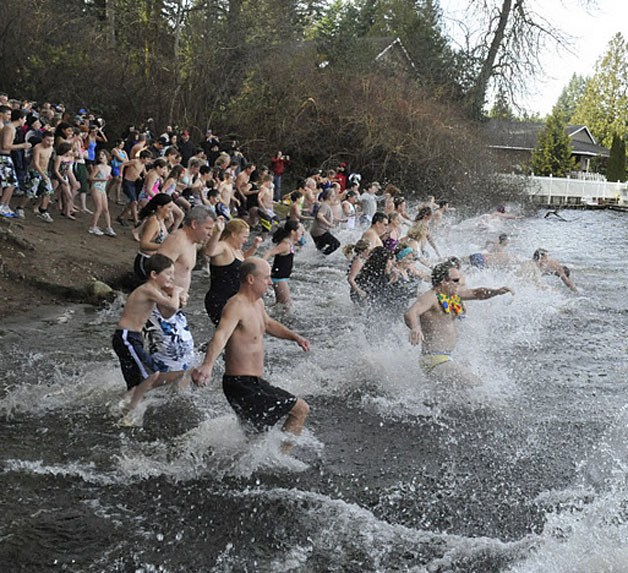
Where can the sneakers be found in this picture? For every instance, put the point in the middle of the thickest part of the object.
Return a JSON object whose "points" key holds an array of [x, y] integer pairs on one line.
{"points": [[122, 221], [5, 211], [19, 213], [110, 232], [95, 231], [45, 216]]}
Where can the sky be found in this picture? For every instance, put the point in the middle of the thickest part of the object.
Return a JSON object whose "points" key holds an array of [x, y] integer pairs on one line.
{"points": [[591, 30]]}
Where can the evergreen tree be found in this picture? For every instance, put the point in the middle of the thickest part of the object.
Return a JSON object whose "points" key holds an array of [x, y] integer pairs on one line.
{"points": [[346, 30], [501, 108], [616, 170], [571, 95], [552, 154], [604, 106]]}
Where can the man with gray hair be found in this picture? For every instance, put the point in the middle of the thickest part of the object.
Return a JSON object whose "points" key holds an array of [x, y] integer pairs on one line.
{"points": [[168, 336], [310, 195]]}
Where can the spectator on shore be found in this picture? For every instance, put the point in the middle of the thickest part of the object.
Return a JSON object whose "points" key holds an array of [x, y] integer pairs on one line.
{"points": [[139, 146], [99, 177], [158, 147], [186, 148], [39, 183], [80, 170], [132, 173], [8, 177], [278, 165], [118, 157], [211, 146], [62, 167]]}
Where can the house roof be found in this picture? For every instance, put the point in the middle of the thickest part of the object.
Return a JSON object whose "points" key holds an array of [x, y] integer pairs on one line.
{"points": [[523, 136]]}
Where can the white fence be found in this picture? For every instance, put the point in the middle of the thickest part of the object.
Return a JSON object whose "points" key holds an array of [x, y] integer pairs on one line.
{"points": [[563, 191]]}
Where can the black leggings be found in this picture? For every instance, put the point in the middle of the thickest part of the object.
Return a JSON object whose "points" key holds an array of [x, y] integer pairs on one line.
{"points": [[326, 243]]}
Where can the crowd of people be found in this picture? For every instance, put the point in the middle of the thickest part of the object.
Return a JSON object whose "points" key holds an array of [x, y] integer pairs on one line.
{"points": [[207, 204]]}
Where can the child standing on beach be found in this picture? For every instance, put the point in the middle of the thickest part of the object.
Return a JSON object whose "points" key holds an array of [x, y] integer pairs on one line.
{"points": [[99, 176], [128, 343]]}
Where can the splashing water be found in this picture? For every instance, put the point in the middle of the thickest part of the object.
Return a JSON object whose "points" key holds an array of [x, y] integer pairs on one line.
{"points": [[393, 472]]}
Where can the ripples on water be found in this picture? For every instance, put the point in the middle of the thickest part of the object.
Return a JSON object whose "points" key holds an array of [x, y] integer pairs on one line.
{"points": [[525, 474]]}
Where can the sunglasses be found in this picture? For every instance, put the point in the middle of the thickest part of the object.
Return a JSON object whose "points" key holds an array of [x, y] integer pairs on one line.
{"points": [[453, 280]]}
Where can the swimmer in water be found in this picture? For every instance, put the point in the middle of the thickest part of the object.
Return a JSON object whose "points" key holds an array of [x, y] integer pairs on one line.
{"points": [[554, 213], [494, 256], [549, 266]]}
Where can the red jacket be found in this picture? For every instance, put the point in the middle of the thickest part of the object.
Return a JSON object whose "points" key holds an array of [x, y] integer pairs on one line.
{"points": [[278, 165]]}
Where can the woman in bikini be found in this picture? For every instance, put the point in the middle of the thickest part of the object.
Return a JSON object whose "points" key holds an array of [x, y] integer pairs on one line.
{"points": [[286, 238], [393, 234], [99, 177], [155, 216], [153, 181]]}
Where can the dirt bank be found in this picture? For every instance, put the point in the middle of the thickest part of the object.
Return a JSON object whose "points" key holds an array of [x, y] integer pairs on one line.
{"points": [[52, 263]]}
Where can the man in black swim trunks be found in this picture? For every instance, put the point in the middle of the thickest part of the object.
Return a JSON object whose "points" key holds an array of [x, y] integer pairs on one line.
{"points": [[241, 331]]}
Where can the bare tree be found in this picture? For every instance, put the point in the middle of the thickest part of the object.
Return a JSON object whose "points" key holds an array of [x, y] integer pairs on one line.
{"points": [[507, 49]]}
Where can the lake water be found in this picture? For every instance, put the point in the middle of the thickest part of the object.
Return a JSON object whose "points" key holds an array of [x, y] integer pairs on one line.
{"points": [[525, 474]]}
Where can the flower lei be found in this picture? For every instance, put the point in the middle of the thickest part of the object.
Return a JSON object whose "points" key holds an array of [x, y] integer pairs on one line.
{"points": [[451, 304]]}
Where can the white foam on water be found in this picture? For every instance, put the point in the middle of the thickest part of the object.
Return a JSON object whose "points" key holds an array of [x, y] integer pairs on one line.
{"points": [[356, 355], [293, 560], [58, 389], [217, 448], [85, 471], [583, 538], [586, 529], [65, 389], [341, 530], [607, 466]]}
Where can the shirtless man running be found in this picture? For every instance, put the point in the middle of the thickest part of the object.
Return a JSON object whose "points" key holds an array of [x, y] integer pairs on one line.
{"points": [[241, 331], [431, 321], [170, 342]]}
